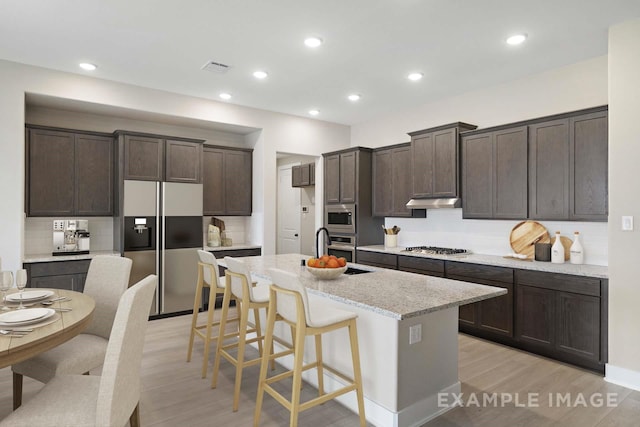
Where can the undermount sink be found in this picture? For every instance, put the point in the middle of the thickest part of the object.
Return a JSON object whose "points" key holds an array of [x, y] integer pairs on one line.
{"points": [[352, 270]]}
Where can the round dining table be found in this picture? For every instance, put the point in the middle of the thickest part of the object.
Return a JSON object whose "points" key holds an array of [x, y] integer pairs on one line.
{"points": [[61, 327]]}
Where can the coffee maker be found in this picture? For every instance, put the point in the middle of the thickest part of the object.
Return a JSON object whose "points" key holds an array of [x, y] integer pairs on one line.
{"points": [[71, 237]]}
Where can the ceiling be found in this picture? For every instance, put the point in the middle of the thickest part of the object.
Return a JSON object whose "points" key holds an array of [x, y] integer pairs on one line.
{"points": [[369, 48]]}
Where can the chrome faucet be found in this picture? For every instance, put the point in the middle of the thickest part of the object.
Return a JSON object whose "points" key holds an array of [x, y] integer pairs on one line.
{"points": [[328, 239]]}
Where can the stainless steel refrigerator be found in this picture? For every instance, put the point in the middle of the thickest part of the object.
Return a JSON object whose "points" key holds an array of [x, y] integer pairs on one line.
{"points": [[162, 233]]}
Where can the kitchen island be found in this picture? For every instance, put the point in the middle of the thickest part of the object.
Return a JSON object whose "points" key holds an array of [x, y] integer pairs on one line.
{"points": [[407, 333]]}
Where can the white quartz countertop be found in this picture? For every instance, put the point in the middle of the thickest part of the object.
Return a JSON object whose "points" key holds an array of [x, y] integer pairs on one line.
{"points": [[392, 293], [28, 259], [599, 271], [231, 248]]}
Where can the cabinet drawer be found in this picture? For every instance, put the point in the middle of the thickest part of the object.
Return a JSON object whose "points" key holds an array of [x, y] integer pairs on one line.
{"points": [[378, 259], [560, 282], [421, 265], [57, 268], [500, 274], [236, 253]]}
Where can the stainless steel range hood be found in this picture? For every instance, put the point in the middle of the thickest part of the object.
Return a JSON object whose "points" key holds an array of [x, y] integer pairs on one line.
{"points": [[453, 202]]}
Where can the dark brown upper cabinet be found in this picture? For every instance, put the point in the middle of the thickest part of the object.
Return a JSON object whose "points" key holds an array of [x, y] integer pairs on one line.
{"points": [[568, 167], [227, 181], [303, 175], [159, 158], [347, 176], [434, 161], [392, 181], [69, 173], [494, 174]]}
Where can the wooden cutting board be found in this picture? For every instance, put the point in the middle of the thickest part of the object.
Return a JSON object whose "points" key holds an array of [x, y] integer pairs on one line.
{"points": [[566, 242], [525, 235]]}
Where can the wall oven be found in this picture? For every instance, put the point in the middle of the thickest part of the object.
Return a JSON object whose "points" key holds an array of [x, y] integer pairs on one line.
{"points": [[342, 246], [340, 219]]}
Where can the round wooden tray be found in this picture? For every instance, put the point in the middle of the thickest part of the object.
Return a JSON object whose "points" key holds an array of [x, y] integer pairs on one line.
{"points": [[525, 235]]}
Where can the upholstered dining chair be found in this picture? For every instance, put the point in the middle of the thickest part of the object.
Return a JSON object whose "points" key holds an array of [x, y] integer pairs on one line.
{"points": [[107, 279], [107, 400]]}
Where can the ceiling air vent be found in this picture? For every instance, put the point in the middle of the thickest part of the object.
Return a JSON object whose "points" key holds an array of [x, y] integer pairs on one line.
{"points": [[216, 67]]}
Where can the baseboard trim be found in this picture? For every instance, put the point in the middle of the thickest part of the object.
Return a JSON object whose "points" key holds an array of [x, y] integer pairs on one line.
{"points": [[622, 376]]}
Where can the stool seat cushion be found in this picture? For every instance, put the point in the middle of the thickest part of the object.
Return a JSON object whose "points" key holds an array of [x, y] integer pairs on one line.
{"points": [[324, 315], [260, 293]]}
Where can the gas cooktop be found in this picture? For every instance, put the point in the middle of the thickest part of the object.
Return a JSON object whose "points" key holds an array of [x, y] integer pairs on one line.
{"points": [[435, 250]]}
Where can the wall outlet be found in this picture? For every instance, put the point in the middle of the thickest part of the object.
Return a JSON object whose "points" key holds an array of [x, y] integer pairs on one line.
{"points": [[415, 334], [627, 223]]}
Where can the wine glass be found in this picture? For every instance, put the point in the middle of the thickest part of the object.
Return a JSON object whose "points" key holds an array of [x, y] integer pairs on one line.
{"points": [[6, 280], [21, 282]]}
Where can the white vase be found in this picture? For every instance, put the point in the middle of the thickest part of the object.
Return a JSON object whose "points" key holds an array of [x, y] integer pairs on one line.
{"points": [[557, 250], [576, 255]]}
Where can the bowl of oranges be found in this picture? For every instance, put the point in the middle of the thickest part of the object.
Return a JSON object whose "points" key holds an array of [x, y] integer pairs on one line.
{"points": [[327, 267]]}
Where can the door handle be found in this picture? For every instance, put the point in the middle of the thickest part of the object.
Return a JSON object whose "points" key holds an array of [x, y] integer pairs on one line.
{"points": [[295, 235]]}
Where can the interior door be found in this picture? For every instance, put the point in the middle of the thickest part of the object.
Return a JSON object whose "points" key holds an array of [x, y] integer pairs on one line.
{"points": [[288, 215]]}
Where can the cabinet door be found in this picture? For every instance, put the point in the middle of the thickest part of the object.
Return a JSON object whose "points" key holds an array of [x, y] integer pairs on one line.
{"points": [[143, 158], [535, 316], [237, 182], [213, 181], [496, 314], [579, 325], [183, 161], [422, 165], [510, 181], [445, 163], [296, 176], [477, 176], [467, 314], [305, 178], [348, 169], [94, 175], [382, 183], [50, 173], [332, 179], [589, 167], [549, 170], [401, 179]]}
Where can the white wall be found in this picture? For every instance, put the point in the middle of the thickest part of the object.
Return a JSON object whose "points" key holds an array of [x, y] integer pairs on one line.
{"points": [[624, 199], [279, 132], [570, 88]]}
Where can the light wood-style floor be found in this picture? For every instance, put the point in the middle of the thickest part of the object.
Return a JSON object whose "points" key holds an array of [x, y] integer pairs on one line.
{"points": [[175, 395]]}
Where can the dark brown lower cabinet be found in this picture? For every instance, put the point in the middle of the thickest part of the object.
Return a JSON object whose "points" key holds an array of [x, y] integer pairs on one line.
{"points": [[535, 316], [377, 259], [69, 275]]}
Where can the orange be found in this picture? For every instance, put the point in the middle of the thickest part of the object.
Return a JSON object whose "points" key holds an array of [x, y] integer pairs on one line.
{"points": [[333, 263], [342, 261], [311, 262], [320, 264], [325, 258], [333, 257]]}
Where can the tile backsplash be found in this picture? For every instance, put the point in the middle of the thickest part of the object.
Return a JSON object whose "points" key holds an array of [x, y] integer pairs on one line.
{"points": [[38, 237]]}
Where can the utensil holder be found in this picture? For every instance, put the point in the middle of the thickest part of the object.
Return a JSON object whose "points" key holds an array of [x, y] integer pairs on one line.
{"points": [[543, 252], [390, 240]]}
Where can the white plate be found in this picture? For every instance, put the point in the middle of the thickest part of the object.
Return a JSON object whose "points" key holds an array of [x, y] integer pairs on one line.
{"points": [[25, 317], [29, 296]]}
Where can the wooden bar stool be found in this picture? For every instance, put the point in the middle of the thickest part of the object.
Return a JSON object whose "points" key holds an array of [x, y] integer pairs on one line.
{"points": [[288, 301], [207, 278], [248, 297]]}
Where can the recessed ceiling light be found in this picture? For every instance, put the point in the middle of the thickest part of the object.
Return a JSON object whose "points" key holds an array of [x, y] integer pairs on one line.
{"points": [[314, 112], [87, 66], [313, 41], [225, 95], [354, 97], [260, 74], [415, 76], [516, 39]]}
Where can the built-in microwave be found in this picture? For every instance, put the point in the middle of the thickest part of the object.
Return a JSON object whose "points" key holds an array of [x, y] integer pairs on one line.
{"points": [[340, 219]]}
